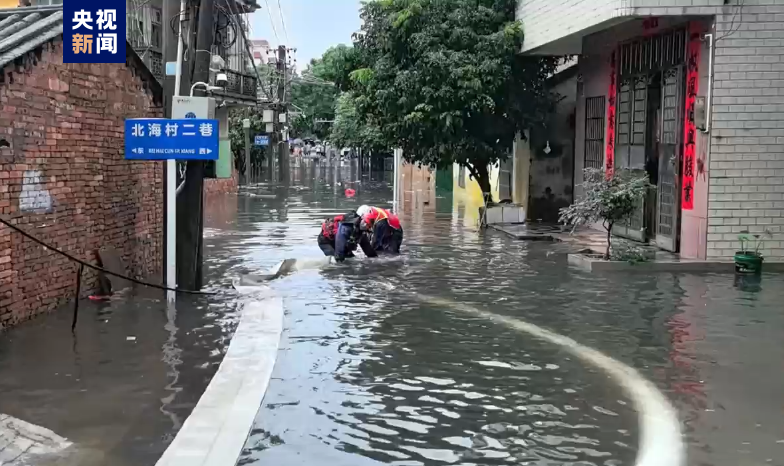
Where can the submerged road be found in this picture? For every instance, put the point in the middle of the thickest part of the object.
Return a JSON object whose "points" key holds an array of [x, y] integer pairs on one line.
{"points": [[367, 375], [469, 349]]}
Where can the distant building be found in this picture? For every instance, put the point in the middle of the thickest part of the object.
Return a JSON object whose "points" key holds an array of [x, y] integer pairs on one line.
{"points": [[260, 49]]}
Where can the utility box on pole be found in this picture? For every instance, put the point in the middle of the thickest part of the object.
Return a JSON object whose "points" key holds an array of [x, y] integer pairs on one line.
{"points": [[193, 107]]}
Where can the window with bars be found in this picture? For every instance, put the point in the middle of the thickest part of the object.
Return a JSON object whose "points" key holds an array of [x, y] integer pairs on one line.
{"points": [[639, 61], [595, 108], [631, 122]]}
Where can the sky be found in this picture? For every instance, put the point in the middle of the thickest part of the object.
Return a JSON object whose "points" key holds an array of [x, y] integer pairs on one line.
{"points": [[312, 25]]}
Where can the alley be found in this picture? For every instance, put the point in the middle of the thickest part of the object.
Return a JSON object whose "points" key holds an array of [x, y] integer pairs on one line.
{"points": [[376, 366], [367, 375]]}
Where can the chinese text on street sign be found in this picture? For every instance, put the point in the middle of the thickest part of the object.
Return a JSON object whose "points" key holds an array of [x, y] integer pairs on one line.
{"points": [[94, 31], [160, 139], [261, 140]]}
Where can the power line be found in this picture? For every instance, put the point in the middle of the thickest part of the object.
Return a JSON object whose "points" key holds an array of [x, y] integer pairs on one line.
{"points": [[247, 48], [283, 22], [274, 30]]}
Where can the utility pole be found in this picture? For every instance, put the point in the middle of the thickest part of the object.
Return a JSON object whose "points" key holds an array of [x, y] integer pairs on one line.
{"points": [[190, 202], [246, 127], [280, 109]]}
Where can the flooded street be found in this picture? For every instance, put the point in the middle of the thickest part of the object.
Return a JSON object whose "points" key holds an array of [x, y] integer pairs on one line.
{"points": [[369, 375], [408, 360]]}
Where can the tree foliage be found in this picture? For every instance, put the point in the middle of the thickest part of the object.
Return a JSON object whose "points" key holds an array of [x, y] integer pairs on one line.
{"points": [[314, 93], [237, 137], [607, 199], [443, 80], [350, 130]]}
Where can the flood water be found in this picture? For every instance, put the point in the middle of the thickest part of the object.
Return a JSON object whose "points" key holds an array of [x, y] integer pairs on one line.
{"points": [[369, 374]]}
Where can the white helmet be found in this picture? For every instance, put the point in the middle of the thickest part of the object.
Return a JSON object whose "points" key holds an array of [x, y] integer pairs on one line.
{"points": [[363, 210]]}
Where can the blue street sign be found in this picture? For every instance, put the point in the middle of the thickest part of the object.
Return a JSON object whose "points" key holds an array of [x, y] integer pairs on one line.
{"points": [[261, 140], [161, 139]]}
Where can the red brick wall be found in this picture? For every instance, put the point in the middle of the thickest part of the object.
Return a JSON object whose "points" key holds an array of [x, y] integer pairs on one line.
{"points": [[221, 185], [65, 124]]}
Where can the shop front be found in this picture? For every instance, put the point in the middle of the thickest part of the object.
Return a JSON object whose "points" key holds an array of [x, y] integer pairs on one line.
{"points": [[639, 106]]}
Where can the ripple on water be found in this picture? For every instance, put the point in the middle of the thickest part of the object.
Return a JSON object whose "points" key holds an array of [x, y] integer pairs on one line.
{"points": [[393, 381]]}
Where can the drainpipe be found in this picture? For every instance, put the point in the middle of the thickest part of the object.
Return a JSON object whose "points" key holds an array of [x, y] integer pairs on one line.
{"points": [[709, 103]]}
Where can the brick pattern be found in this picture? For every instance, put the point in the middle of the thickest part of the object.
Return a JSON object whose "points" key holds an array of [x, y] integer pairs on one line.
{"points": [[65, 125], [747, 140], [545, 21], [746, 167], [221, 185]]}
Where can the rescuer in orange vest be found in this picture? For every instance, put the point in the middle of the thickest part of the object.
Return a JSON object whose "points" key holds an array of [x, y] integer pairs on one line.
{"points": [[385, 227], [340, 236]]}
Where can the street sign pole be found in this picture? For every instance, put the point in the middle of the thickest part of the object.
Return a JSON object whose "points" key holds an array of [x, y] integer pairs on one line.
{"points": [[171, 181], [246, 127]]}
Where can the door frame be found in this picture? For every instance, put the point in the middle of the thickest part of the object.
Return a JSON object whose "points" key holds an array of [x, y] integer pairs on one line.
{"points": [[671, 163]]}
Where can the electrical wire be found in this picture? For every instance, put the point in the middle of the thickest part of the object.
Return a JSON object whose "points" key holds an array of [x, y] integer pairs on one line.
{"points": [[249, 51], [283, 22], [95, 267], [274, 30], [738, 11], [230, 23]]}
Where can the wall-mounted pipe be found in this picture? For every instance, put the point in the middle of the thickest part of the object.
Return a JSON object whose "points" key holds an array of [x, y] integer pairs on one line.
{"points": [[709, 103]]}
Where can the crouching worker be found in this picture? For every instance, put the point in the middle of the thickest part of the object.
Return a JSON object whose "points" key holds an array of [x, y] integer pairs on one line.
{"points": [[385, 227], [340, 236]]}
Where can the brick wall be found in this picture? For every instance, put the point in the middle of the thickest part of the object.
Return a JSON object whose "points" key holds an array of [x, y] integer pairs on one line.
{"points": [[221, 185], [545, 21], [65, 181], [746, 160], [746, 145], [747, 141]]}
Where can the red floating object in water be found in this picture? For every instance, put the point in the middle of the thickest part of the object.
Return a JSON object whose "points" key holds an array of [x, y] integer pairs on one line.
{"points": [[350, 192]]}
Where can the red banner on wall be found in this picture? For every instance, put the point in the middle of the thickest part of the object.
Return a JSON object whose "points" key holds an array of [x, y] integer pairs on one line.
{"points": [[609, 157], [689, 127]]}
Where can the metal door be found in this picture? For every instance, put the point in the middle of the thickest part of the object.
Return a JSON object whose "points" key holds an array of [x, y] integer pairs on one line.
{"points": [[668, 208], [630, 147]]}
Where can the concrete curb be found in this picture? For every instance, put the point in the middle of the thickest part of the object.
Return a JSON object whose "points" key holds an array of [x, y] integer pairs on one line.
{"points": [[20, 441], [216, 430]]}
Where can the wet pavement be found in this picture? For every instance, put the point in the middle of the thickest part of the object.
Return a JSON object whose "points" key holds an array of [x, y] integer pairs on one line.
{"points": [[368, 374]]}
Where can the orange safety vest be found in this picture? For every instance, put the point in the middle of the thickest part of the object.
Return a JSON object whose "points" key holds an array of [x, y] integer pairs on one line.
{"points": [[329, 229], [377, 214]]}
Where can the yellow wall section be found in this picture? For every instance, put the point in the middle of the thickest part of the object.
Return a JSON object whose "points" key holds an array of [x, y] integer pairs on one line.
{"points": [[9, 3], [469, 199]]}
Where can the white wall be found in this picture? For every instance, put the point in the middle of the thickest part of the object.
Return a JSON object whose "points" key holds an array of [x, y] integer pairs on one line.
{"points": [[547, 21]]}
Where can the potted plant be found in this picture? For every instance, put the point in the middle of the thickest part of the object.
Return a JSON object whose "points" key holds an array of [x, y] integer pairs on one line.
{"points": [[608, 200], [749, 259]]}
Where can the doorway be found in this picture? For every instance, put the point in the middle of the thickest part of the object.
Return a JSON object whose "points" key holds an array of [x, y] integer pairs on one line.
{"points": [[649, 119], [652, 153]]}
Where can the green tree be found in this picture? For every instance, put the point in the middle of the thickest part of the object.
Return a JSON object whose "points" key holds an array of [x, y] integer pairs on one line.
{"points": [[350, 130], [237, 137], [314, 93], [443, 80]]}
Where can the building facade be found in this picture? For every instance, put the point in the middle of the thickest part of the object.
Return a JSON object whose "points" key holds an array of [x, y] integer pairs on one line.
{"points": [[690, 92], [63, 176], [260, 48], [146, 32]]}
